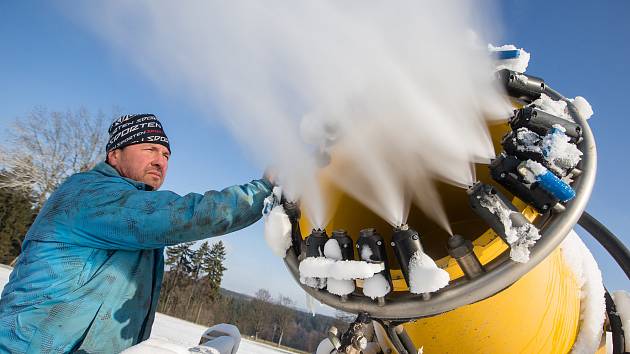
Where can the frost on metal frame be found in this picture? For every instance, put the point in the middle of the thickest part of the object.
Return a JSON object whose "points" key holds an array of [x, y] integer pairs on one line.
{"points": [[521, 238]]}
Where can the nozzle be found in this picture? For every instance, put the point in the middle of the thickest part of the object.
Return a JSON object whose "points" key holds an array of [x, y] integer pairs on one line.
{"points": [[345, 243], [292, 209], [315, 243], [521, 86], [406, 242], [491, 206], [542, 122], [504, 170], [462, 250], [371, 248]]}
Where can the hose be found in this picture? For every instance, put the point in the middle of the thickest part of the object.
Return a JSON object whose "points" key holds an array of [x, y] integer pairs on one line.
{"points": [[611, 243], [405, 339], [393, 336]]}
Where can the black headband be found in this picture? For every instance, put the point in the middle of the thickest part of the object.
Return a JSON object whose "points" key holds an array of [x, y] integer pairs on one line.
{"points": [[135, 129]]}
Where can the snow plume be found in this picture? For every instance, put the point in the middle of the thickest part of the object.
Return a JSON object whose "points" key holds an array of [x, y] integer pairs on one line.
{"points": [[397, 91]]}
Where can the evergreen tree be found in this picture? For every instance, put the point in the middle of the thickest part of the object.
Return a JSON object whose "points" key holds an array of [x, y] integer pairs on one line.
{"points": [[16, 216], [197, 266], [214, 268], [178, 258]]}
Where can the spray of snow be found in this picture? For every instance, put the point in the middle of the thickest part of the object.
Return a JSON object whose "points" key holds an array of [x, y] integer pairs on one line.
{"points": [[397, 93], [337, 286], [622, 303], [278, 231], [376, 286], [518, 64], [592, 302], [424, 275], [520, 238]]}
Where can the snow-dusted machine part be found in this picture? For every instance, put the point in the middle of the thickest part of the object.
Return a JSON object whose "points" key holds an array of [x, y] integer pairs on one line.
{"points": [[556, 220]]}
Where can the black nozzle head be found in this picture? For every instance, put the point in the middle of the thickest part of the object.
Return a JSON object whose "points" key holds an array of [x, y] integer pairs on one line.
{"points": [[405, 233], [339, 233], [476, 189], [401, 227], [292, 209], [367, 232], [319, 233]]}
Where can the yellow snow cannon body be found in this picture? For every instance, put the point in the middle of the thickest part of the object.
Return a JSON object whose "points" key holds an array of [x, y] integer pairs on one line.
{"points": [[500, 307]]}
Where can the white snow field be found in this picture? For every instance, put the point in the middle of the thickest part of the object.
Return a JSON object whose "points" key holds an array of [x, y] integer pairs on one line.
{"points": [[185, 333], [176, 331]]}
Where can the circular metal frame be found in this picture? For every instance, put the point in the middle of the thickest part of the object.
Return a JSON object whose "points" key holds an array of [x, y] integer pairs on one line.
{"points": [[501, 272]]}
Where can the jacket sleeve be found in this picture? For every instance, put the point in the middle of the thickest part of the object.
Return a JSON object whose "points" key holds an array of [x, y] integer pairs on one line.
{"points": [[134, 219]]}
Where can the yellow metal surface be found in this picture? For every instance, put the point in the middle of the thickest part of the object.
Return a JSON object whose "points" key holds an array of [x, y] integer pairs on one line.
{"points": [[538, 314]]}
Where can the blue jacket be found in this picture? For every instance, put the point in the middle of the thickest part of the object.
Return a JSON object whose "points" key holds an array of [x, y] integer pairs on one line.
{"points": [[91, 267]]}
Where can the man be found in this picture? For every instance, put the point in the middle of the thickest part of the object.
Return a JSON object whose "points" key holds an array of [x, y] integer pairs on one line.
{"points": [[89, 275]]}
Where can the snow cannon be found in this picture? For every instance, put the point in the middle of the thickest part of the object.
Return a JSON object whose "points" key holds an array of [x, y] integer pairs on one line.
{"points": [[406, 242], [504, 273]]}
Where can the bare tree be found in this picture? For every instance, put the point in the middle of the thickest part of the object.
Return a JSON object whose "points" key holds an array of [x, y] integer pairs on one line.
{"points": [[284, 315], [261, 307], [45, 147]]}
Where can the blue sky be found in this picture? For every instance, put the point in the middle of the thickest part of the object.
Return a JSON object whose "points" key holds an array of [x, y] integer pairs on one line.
{"points": [[580, 48]]}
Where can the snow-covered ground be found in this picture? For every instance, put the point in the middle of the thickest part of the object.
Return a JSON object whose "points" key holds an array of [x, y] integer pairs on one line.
{"points": [[177, 331], [186, 333]]}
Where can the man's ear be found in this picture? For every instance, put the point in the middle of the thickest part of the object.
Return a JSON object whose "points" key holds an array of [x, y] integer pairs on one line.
{"points": [[112, 157]]}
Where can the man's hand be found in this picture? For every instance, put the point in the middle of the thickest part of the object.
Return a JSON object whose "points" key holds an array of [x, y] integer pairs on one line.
{"points": [[271, 175]]}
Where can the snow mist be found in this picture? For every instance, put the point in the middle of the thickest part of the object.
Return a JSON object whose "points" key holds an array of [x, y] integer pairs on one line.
{"points": [[396, 91]]}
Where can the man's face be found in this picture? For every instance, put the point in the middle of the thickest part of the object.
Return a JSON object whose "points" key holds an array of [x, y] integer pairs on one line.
{"points": [[144, 162]]}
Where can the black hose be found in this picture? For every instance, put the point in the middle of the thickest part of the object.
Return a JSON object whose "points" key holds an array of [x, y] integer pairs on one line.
{"points": [[611, 243], [616, 326], [406, 340], [393, 336]]}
